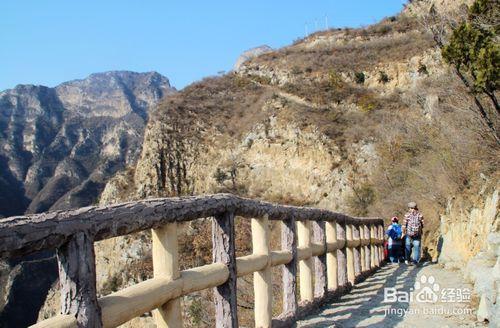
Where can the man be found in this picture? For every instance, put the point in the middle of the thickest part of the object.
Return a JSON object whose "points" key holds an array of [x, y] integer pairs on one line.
{"points": [[413, 226]]}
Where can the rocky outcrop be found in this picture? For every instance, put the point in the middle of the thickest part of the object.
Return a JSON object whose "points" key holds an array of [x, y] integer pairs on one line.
{"points": [[59, 146], [251, 53], [483, 270], [470, 241], [274, 159], [465, 226]]}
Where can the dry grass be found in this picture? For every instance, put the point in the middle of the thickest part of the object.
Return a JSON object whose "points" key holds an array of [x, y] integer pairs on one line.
{"points": [[224, 103], [372, 45], [393, 24]]}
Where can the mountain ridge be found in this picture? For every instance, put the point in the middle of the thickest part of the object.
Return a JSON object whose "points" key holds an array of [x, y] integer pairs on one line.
{"points": [[58, 146]]}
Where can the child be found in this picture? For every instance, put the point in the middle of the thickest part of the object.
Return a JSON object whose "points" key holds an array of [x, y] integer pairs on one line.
{"points": [[395, 243]]}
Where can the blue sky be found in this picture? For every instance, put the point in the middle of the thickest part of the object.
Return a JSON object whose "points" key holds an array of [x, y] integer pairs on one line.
{"points": [[51, 41]]}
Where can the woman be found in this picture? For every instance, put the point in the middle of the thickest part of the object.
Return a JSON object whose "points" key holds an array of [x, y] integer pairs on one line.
{"points": [[394, 243]]}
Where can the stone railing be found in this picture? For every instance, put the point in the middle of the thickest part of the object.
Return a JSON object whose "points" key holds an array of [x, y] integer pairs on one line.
{"points": [[332, 251]]}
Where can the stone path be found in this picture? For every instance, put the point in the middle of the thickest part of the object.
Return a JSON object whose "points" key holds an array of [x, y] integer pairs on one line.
{"points": [[365, 306]]}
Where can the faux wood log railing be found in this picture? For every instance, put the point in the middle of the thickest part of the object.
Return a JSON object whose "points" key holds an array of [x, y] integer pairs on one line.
{"points": [[332, 250]]}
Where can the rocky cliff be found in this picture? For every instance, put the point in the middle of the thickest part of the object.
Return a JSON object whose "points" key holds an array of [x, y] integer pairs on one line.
{"points": [[251, 53], [59, 146], [470, 242]]}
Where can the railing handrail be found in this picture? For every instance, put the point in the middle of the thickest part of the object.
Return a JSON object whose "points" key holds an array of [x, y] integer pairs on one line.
{"points": [[23, 235]]}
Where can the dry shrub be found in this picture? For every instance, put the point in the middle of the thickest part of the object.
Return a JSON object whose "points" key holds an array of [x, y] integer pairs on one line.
{"points": [[353, 56], [367, 103]]}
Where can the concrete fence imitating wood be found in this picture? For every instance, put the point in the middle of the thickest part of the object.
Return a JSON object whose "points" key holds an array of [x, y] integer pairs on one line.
{"points": [[331, 250]]}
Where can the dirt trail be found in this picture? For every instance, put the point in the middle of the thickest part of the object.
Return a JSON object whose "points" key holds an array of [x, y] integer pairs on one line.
{"points": [[365, 306], [289, 96]]}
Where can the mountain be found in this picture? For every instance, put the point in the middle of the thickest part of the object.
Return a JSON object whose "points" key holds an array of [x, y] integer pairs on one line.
{"points": [[59, 146]]}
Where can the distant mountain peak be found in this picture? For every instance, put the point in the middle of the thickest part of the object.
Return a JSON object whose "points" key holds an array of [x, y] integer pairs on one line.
{"points": [[58, 146], [104, 77], [123, 76]]}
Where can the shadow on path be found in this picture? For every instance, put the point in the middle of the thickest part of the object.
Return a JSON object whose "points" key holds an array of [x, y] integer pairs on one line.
{"points": [[364, 306]]}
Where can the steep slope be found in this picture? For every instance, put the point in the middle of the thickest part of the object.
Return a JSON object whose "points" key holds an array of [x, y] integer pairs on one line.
{"points": [[59, 146], [357, 107]]}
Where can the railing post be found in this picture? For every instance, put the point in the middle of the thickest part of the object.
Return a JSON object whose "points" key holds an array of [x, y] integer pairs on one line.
{"points": [[166, 263], [320, 287], [226, 310], [356, 251], [77, 280], [362, 247], [289, 243], [305, 266], [263, 288], [350, 254], [366, 237], [331, 257], [381, 238], [374, 245], [342, 255]]}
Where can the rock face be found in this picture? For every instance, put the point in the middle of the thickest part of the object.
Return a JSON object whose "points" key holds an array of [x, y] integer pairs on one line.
{"points": [[465, 225], [484, 272], [470, 241], [59, 146], [251, 53]]}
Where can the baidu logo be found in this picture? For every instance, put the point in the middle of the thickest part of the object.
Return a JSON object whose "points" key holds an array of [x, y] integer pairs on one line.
{"points": [[426, 290]]}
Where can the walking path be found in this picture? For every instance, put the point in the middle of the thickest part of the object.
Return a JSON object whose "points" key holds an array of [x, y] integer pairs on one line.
{"points": [[364, 306], [289, 96]]}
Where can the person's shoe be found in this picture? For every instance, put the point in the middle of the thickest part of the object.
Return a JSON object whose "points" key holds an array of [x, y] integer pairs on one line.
{"points": [[406, 262]]}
